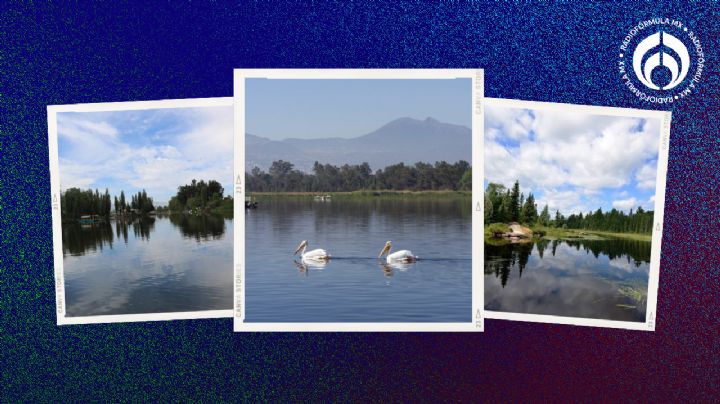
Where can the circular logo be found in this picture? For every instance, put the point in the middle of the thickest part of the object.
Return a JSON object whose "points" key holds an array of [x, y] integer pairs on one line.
{"points": [[661, 60]]}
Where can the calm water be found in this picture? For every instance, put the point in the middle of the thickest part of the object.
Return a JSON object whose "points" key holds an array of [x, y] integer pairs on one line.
{"points": [[154, 265], [355, 286], [601, 279]]}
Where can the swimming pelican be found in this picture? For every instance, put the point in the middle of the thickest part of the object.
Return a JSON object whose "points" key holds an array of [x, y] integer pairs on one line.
{"points": [[317, 255], [397, 256]]}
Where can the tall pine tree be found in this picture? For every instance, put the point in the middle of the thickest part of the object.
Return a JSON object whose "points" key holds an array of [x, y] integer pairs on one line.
{"points": [[515, 202], [529, 210]]}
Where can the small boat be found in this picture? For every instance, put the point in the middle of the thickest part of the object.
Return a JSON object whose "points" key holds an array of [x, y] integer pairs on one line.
{"points": [[89, 219], [250, 203]]}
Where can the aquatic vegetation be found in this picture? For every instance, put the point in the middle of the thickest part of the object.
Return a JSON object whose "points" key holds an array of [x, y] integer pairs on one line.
{"points": [[638, 295]]}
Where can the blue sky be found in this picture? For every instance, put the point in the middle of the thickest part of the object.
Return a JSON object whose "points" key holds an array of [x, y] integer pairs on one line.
{"points": [[574, 162], [321, 108], [155, 149]]}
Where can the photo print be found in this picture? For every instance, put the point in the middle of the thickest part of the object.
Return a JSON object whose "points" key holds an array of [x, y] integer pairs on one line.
{"points": [[357, 200], [142, 210], [573, 209]]}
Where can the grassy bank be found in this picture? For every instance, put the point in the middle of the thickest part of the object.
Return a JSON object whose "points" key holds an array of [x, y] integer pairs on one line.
{"points": [[578, 233], [366, 194], [555, 233], [629, 236]]}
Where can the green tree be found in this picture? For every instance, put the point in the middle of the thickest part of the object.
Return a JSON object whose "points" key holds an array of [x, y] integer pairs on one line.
{"points": [[107, 207], [529, 210], [123, 207], [466, 180], [514, 206], [200, 195], [544, 218], [282, 177], [488, 209], [505, 211], [495, 193]]}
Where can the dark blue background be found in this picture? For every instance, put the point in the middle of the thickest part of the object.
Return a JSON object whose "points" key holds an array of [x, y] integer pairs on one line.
{"points": [[78, 53]]}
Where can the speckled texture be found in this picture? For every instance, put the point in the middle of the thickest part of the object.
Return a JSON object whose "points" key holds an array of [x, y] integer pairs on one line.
{"points": [[71, 54]]}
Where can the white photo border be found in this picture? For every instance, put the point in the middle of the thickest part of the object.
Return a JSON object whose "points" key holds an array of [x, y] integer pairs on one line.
{"points": [[475, 316], [665, 118], [52, 111]]}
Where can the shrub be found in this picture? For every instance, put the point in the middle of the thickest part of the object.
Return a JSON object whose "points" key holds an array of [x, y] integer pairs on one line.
{"points": [[496, 229]]}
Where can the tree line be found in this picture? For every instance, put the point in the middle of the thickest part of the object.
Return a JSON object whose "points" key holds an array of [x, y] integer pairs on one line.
{"points": [[283, 177], [198, 195], [139, 203], [504, 205], [75, 203]]}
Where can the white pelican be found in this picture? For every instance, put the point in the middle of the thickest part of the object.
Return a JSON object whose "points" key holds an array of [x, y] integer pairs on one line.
{"points": [[397, 256], [317, 255]]}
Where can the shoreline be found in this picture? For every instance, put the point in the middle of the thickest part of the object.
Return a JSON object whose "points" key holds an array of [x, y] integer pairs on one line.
{"points": [[572, 234], [225, 212], [365, 194]]}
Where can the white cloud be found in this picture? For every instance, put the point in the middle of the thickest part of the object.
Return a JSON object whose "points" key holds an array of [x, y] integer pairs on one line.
{"points": [[650, 203], [627, 265], [77, 129], [95, 153], [514, 123], [588, 154], [213, 139], [626, 204], [646, 176], [567, 202], [492, 133], [75, 175]]}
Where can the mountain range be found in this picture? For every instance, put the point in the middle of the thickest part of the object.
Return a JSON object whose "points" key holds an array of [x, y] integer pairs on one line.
{"points": [[404, 140]]}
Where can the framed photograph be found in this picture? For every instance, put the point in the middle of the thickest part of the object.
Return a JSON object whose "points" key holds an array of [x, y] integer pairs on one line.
{"points": [[353, 200], [142, 210], [573, 209]]}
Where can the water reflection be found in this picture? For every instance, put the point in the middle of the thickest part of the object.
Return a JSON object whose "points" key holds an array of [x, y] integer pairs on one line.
{"points": [[200, 227], [505, 257], [363, 212], [147, 265], [578, 278], [388, 268], [304, 266], [636, 251], [121, 229], [80, 238], [142, 227]]}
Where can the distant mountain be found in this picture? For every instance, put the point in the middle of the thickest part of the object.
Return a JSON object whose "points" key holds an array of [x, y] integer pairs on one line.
{"points": [[404, 140]]}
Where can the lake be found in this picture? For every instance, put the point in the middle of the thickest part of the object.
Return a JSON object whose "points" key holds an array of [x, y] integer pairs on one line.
{"points": [[160, 264], [355, 286], [598, 279]]}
